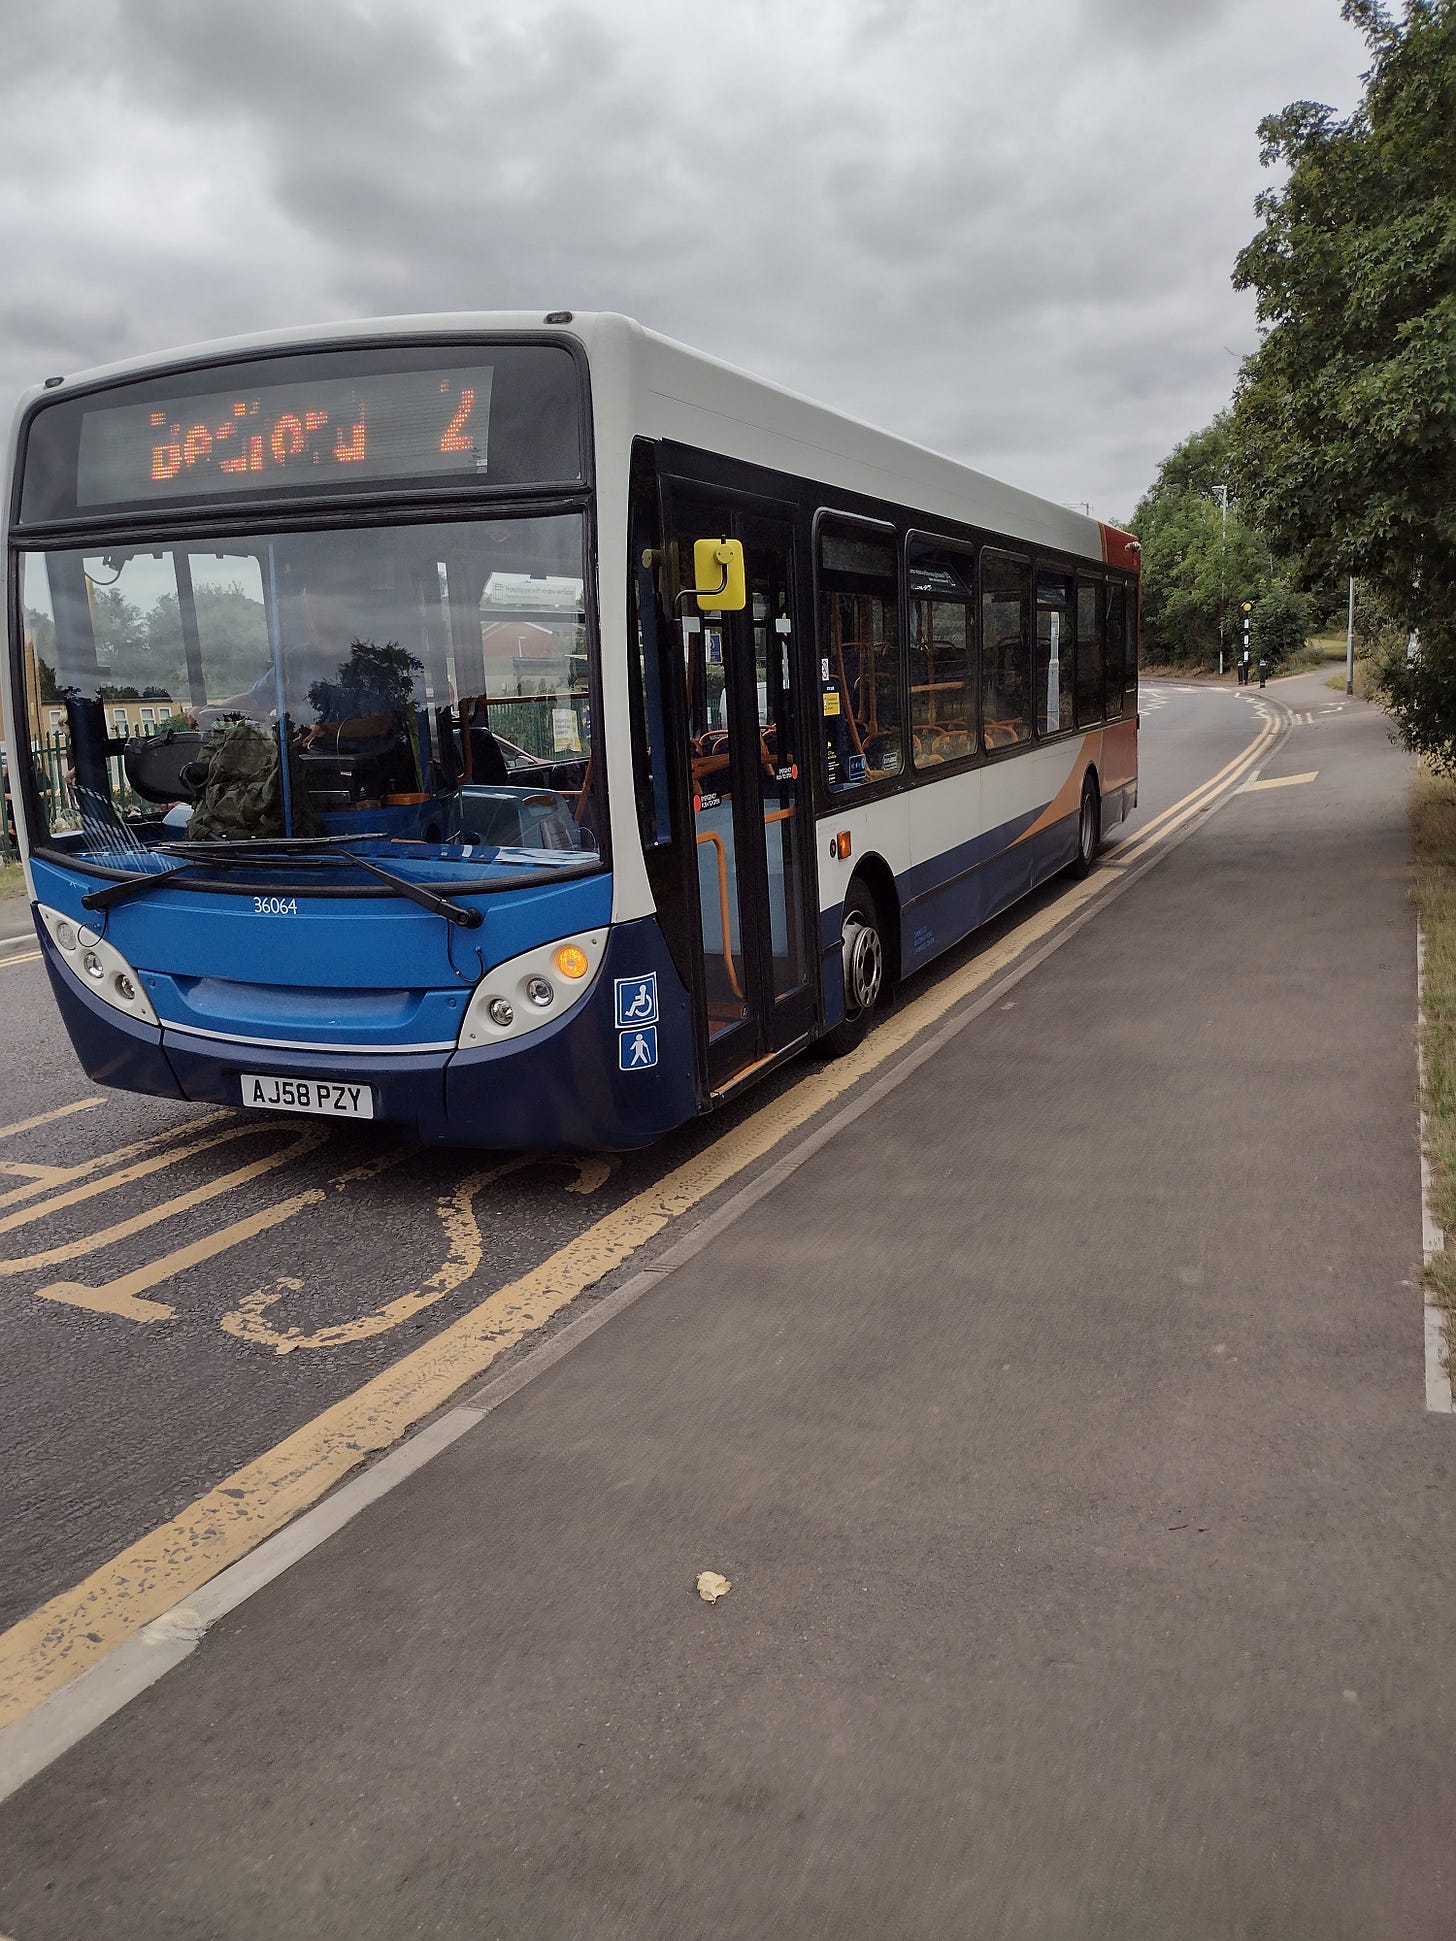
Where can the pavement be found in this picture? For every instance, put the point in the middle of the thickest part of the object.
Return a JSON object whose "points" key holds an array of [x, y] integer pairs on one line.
{"points": [[16, 924], [1060, 1425]]}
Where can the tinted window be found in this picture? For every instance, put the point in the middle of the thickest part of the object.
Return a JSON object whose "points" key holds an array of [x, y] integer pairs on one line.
{"points": [[859, 655], [1008, 704], [1056, 657], [645, 665], [1116, 647], [942, 657], [1089, 652]]}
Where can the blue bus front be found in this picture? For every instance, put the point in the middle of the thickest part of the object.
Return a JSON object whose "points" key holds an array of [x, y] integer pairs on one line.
{"points": [[307, 686]]}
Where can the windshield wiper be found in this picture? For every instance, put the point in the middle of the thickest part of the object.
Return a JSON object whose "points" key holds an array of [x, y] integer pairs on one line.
{"points": [[313, 852], [460, 913], [240, 853], [130, 886]]}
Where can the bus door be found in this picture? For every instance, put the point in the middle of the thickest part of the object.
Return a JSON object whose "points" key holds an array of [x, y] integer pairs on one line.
{"points": [[750, 804]]}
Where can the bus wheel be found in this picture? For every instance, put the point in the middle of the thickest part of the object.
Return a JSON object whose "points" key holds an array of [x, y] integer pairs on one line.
{"points": [[1089, 829], [862, 950]]}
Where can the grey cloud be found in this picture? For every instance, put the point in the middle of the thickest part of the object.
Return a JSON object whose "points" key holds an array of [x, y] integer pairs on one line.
{"points": [[1004, 232]]}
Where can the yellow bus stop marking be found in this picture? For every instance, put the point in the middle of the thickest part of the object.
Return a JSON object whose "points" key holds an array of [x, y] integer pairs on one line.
{"points": [[465, 1244], [123, 1295], [177, 1136], [48, 1118], [304, 1141]]}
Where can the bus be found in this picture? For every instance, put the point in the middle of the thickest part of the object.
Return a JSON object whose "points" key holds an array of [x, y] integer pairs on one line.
{"points": [[560, 728]]}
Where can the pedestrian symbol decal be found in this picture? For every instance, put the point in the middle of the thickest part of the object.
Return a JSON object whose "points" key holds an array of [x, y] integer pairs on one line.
{"points": [[637, 1050], [637, 1003]]}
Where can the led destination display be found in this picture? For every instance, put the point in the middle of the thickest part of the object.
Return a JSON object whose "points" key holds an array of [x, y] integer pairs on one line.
{"points": [[395, 424]]}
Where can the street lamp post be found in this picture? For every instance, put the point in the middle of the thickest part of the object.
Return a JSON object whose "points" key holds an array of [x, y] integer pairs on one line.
{"points": [[1350, 642], [1222, 491]]}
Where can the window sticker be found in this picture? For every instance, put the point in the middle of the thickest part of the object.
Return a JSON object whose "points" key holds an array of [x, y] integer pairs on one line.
{"points": [[564, 733], [855, 767], [637, 1050], [636, 1002], [831, 701]]}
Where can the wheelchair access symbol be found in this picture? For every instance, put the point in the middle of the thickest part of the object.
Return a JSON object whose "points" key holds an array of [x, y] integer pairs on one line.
{"points": [[637, 1003], [637, 1050]]}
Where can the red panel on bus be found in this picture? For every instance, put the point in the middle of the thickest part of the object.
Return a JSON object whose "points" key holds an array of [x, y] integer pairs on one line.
{"points": [[1119, 548]]}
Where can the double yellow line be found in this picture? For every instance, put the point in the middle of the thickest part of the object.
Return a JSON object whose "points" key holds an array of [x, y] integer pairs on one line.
{"points": [[1226, 780], [80, 1626]]}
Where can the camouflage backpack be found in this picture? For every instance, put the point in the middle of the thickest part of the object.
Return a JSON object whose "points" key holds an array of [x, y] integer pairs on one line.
{"points": [[238, 779]]}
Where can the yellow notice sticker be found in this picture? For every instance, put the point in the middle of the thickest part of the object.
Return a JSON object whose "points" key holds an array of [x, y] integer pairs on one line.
{"points": [[831, 701]]}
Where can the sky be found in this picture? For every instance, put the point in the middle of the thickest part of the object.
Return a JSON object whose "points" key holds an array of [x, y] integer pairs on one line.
{"points": [[1003, 228]]}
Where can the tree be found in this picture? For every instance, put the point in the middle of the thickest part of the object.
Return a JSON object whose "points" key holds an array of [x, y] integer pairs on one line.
{"points": [[1199, 562], [232, 629], [1344, 416], [1279, 624]]}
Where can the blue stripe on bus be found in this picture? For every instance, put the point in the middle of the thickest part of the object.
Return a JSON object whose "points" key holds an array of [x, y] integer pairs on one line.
{"points": [[946, 897], [361, 971]]}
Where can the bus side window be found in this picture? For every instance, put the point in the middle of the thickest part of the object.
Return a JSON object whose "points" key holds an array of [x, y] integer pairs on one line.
{"points": [[1008, 704], [1116, 647], [644, 669], [859, 654], [1055, 652], [942, 655], [1089, 653]]}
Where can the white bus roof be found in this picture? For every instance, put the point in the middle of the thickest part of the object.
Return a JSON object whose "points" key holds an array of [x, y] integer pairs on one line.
{"points": [[647, 385]]}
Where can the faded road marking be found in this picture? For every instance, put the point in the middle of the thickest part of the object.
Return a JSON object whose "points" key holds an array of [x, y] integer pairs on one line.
{"points": [[45, 1119], [173, 1135], [304, 1141], [122, 1296], [456, 1212]]}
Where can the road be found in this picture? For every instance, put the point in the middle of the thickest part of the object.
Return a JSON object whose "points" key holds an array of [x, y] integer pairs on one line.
{"points": [[137, 1379], [1058, 1419]]}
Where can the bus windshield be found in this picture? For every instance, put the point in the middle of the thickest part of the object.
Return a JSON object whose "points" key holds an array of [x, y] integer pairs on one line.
{"points": [[425, 684]]}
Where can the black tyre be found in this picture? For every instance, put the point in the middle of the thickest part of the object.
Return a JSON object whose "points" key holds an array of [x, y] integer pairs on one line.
{"points": [[1089, 829], [862, 947]]}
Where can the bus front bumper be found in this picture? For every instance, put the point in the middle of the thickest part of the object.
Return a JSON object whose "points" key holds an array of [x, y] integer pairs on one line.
{"points": [[562, 1088]]}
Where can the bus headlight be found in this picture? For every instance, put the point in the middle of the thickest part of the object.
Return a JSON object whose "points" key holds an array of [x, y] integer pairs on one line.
{"points": [[522, 995], [99, 965]]}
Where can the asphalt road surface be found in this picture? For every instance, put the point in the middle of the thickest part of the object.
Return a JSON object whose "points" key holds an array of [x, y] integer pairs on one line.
{"points": [[125, 1401], [1060, 1422]]}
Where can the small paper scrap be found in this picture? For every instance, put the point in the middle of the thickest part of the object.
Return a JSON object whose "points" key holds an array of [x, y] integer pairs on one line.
{"points": [[711, 1586]]}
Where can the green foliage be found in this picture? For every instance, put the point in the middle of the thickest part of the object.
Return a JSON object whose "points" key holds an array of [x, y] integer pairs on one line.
{"points": [[232, 630], [1344, 417], [373, 680], [1279, 624], [1198, 565]]}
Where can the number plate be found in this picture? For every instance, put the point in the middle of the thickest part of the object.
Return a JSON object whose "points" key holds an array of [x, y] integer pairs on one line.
{"points": [[332, 1100]]}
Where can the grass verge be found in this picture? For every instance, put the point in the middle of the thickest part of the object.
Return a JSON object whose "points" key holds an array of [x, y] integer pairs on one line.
{"points": [[1362, 681], [12, 880], [1433, 816]]}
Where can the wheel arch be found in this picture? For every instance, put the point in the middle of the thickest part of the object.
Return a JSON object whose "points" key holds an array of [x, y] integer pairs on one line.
{"points": [[879, 879]]}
